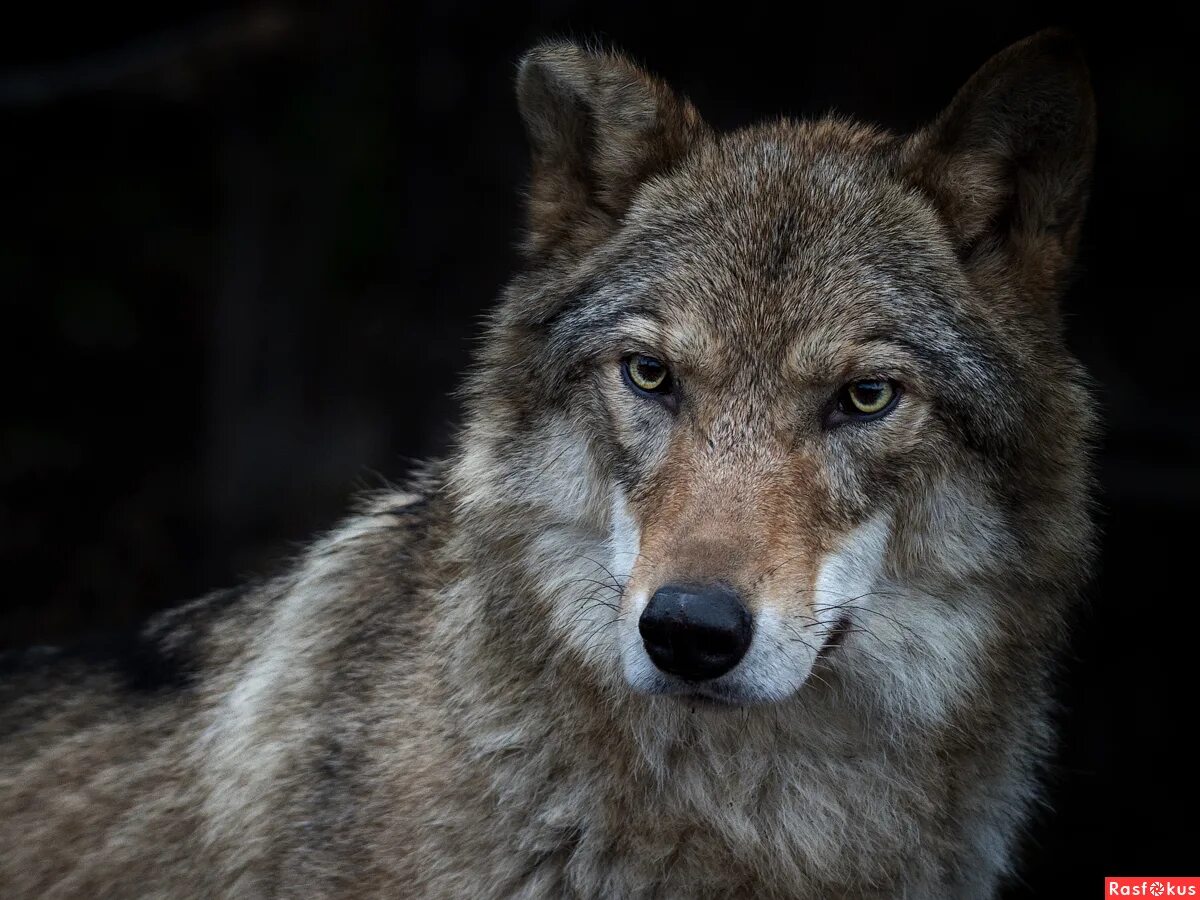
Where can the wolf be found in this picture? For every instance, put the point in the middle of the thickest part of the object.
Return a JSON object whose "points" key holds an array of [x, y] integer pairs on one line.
{"points": [[746, 576]]}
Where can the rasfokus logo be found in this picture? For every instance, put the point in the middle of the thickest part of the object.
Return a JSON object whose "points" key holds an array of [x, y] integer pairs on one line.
{"points": [[1159, 886]]}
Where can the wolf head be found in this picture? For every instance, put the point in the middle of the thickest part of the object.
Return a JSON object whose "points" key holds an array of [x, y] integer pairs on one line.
{"points": [[789, 403]]}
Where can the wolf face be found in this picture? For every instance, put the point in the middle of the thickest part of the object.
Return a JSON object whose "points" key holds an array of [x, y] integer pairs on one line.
{"points": [[793, 400]]}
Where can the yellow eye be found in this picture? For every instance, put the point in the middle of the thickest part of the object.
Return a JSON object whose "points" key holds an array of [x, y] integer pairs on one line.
{"points": [[867, 397], [648, 374]]}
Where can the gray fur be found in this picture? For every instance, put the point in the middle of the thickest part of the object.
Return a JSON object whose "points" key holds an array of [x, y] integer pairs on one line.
{"points": [[446, 697]]}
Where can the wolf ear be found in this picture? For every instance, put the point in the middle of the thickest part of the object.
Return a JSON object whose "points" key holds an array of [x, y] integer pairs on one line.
{"points": [[598, 127], [1008, 162]]}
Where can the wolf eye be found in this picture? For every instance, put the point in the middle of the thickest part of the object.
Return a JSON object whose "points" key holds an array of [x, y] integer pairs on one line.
{"points": [[647, 374], [867, 398]]}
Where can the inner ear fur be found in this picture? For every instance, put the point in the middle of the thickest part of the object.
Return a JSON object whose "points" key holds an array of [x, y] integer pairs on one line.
{"points": [[598, 127], [1007, 164]]}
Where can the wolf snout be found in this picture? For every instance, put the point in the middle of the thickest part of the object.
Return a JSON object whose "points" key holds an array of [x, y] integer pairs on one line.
{"points": [[695, 632]]}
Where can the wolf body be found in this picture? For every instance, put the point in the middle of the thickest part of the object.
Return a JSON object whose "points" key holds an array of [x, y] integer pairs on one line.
{"points": [[459, 692]]}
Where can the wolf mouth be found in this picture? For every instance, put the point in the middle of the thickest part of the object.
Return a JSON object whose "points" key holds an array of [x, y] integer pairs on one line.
{"points": [[834, 638], [714, 697]]}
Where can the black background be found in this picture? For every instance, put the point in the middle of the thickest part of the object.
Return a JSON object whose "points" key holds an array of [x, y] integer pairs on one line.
{"points": [[243, 253]]}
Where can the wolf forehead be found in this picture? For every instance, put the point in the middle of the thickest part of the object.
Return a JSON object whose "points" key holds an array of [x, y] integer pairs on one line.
{"points": [[769, 233], [792, 246]]}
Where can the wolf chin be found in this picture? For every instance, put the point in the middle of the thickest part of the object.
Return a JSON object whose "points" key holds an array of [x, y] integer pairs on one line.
{"points": [[746, 576]]}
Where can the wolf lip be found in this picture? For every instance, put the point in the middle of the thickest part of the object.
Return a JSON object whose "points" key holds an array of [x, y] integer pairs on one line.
{"points": [[711, 699], [837, 634]]}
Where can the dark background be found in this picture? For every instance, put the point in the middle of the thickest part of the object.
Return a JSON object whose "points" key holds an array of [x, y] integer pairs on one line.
{"points": [[244, 251]]}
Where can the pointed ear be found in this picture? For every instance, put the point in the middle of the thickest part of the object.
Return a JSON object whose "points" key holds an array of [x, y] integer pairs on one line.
{"points": [[1008, 162], [598, 127]]}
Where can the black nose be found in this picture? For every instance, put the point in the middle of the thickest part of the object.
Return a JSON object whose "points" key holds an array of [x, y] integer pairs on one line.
{"points": [[696, 633]]}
